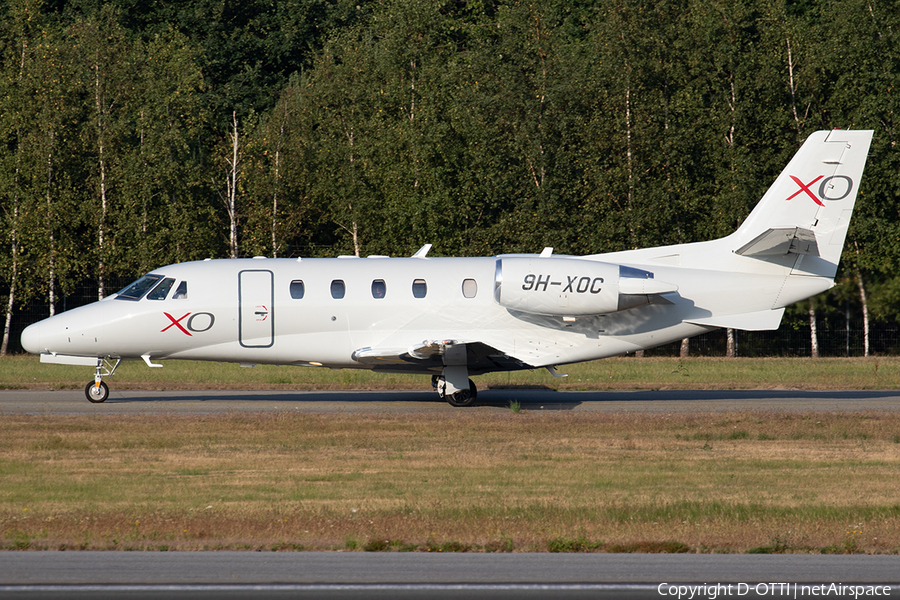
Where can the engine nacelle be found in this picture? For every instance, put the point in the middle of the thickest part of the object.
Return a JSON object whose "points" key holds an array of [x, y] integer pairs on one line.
{"points": [[571, 286]]}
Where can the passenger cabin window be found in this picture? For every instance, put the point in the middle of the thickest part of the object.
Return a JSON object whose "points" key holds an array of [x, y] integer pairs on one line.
{"points": [[297, 289], [180, 291], [162, 290], [379, 289], [136, 290], [469, 288], [337, 289], [419, 288]]}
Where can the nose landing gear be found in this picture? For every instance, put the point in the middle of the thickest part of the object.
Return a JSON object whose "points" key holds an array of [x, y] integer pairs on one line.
{"points": [[97, 391]]}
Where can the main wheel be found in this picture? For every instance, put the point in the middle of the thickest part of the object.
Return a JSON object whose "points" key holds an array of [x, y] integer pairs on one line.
{"points": [[96, 393], [464, 397]]}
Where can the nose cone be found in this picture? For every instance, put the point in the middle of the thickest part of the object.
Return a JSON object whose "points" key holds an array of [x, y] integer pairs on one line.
{"points": [[32, 338]]}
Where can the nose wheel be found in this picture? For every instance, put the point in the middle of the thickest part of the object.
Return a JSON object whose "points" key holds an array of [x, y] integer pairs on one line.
{"points": [[96, 391]]}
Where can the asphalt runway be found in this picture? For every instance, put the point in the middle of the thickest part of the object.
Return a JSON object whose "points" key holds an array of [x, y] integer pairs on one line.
{"points": [[418, 575], [73, 402]]}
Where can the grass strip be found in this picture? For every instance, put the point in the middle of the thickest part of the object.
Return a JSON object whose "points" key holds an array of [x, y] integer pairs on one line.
{"points": [[452, 482]]}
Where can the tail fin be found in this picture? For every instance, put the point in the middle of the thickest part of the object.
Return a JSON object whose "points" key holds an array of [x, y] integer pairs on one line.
{"points": [[807, 210]]}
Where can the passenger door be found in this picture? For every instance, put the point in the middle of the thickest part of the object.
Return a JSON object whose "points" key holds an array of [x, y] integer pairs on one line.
{"points": [[256, 319]]}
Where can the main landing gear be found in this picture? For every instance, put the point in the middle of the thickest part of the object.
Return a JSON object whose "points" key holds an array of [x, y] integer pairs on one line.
{"points": [[453, 384], [97, 391], [452, 394]]}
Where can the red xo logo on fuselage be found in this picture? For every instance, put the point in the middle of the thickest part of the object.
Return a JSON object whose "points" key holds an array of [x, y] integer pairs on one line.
{"points": [[198, 322]]}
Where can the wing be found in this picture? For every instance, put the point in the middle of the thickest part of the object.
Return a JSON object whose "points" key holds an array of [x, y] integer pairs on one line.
{"points": [[432, 356]]}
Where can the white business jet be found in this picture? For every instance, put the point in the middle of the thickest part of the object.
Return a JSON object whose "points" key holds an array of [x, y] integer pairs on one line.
{"points": [[457, 317]]}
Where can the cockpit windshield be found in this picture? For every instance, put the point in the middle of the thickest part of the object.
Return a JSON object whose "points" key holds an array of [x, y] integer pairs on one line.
{"points": [[136, 290], [162, 290]]}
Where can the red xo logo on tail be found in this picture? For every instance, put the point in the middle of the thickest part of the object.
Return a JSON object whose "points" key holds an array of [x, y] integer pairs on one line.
{"points": [[829, 189]]}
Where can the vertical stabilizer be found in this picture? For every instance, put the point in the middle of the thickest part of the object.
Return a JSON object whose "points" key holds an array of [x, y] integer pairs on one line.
{"points": [[807, 210]]}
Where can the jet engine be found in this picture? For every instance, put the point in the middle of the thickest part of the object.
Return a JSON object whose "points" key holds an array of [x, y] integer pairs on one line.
{"points": [[572, 287]]}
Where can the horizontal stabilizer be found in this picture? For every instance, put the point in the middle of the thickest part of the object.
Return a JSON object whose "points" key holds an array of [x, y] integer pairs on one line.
{"points": [[778, 242], [764, 320]]}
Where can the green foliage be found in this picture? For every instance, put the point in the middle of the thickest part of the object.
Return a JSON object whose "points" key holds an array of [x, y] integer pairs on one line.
{"points": [[376, 127], [778, 546], [377, 545], [560, 544], [453, 546]]}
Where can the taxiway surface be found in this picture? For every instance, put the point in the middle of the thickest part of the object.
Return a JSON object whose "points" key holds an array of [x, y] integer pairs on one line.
{"points": [[71, 402], [416, 575]]}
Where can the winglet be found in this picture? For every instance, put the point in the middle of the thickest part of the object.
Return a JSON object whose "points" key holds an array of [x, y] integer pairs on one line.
{"points": [[422, 252]]}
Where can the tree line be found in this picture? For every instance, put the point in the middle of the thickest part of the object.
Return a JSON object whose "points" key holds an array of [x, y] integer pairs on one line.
{"points": [[141, 134]]}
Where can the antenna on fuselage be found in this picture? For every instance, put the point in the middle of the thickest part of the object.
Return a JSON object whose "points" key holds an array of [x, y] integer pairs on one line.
{"points": [[422, 251]]}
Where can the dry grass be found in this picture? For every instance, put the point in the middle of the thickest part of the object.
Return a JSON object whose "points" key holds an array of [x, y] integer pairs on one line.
{"points": [[472, 480]]}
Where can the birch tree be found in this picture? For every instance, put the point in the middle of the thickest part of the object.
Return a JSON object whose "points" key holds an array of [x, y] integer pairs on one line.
{"points": [[108, 79], [232, 175], [162, 215], [11, 128], [44, 145], [343, 118]]}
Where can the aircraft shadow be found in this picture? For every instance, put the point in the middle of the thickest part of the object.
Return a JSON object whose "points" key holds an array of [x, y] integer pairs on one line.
{"points": [[548, 399], [260, 396]]}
